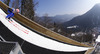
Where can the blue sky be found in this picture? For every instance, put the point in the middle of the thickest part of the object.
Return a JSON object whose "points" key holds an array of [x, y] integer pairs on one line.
{"points": [[61, 7]]}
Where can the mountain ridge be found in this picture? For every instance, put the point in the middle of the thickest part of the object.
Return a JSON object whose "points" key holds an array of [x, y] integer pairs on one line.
{"points": [[61, 18], [87, 21]]}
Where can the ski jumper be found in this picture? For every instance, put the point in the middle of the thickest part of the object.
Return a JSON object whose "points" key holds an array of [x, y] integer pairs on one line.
{"points": [[11, 13]]}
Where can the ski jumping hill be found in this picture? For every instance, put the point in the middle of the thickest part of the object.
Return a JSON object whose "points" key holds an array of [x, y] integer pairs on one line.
{"points": [[55, 41]]}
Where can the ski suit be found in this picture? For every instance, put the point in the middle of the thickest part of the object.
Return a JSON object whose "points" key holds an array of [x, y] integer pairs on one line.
{"points": [[10, 11]]}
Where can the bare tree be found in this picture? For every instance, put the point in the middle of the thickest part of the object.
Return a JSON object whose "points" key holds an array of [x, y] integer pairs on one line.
{"points": [[16, 4], [37, 19], [46, 20], [6, 2], [27, 8]]}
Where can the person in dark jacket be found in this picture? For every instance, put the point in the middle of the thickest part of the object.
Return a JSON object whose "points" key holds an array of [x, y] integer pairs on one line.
{"points": [[11, 12]]}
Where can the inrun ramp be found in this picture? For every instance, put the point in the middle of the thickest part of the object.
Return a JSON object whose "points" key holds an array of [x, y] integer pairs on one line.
{"points": [[37, 39]]}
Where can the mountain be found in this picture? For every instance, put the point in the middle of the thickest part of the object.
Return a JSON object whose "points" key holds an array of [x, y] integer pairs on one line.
{"points": [[86, 21], [60, 18], [63, 18]]}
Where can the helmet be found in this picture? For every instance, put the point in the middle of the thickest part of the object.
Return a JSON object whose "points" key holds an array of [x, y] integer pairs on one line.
{"points": [[17, 10]]}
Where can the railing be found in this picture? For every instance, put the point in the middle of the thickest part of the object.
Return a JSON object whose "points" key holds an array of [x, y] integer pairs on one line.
{"points": [[2, 39]]}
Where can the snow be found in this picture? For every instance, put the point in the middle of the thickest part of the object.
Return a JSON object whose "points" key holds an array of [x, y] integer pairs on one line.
{"points": [[72, 35], [72, 26], [98, 39]]}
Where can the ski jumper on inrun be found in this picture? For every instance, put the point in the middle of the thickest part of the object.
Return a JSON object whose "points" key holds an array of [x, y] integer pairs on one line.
{"points": [[11, 12]]}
